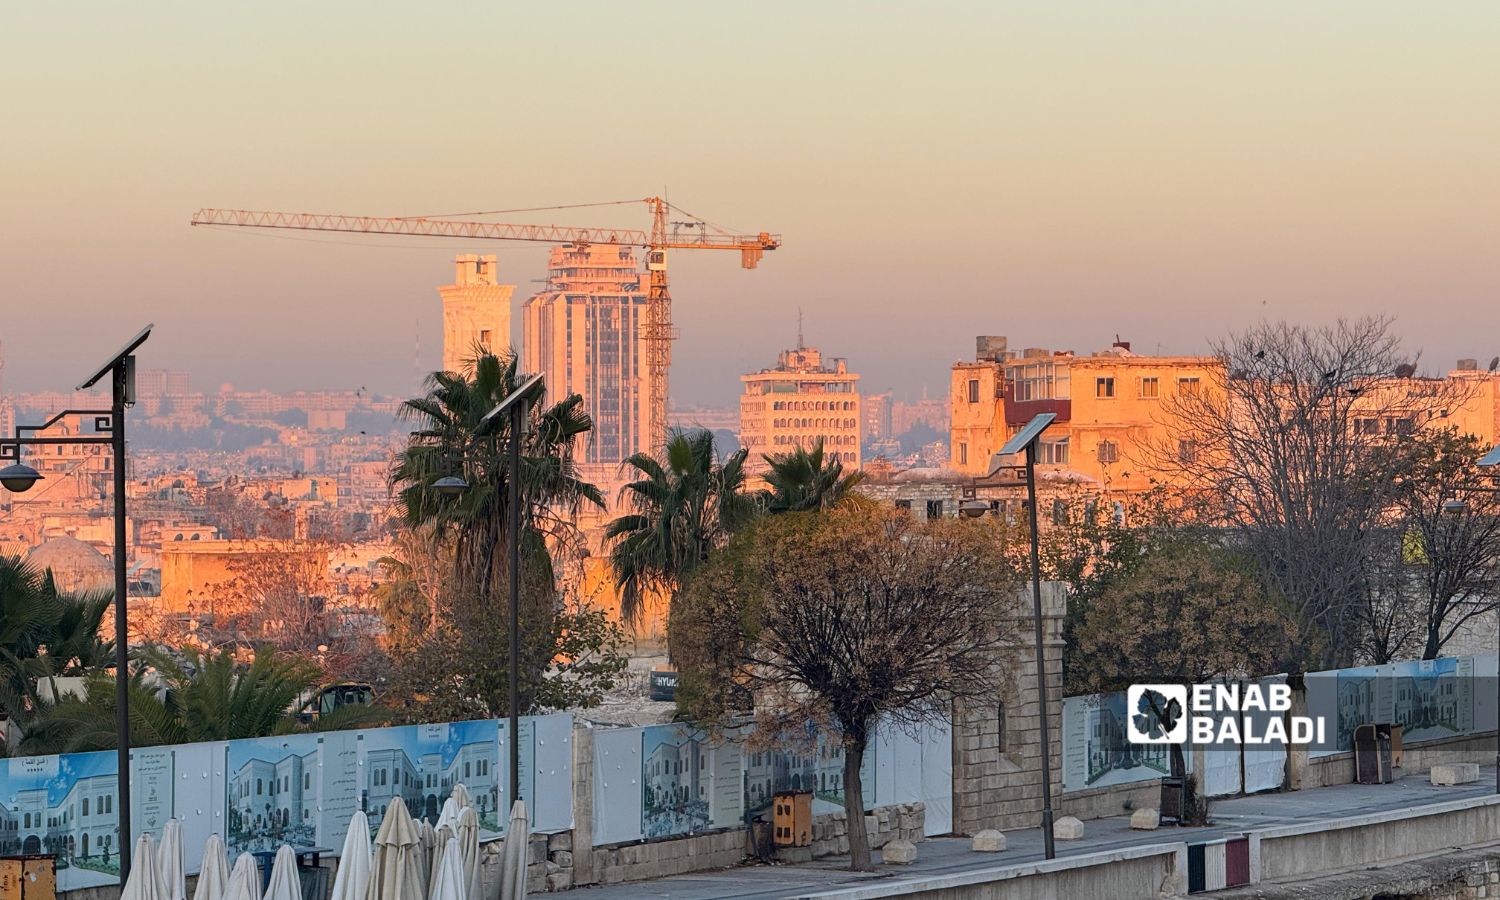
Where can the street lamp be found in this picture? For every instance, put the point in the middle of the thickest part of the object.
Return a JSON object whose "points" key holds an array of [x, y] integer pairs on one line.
{"points": [[514, 407], [1457, 505], [1026, 440], [17, 477]]}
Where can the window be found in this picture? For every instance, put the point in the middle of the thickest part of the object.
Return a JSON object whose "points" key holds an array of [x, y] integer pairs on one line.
{"points": [[1052, 452], [1150, 388], [1366, 426], [1109, 452], [1187, 386], [1399, 425], [900, 504], [963, 453], [85, 804], [1104, 388], [484, 337], [934, 509], [973, 390]]}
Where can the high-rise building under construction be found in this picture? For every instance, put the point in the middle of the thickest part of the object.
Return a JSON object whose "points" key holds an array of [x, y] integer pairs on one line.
{"points": [[583, 332]]}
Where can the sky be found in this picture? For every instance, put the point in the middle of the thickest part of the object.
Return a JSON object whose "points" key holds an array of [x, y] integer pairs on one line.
{"points": [[1056, 172]]}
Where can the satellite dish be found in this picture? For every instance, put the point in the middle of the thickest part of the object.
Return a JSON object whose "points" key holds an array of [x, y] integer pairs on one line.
{"points": [[1495, 364]]}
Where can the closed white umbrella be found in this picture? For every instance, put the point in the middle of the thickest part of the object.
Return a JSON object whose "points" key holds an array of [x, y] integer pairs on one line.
{"points": [[444, 834], [426, 844], [461, 795], [452, 881], [286, 883], [449, 815], [467, 836], [244, 881], [144, 882], [393, 872], [354, 861], [213, 876], [513, 861], [169, 861]]}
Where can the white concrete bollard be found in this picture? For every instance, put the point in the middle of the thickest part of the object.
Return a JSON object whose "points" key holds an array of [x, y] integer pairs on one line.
{"points": [[989, 841], [1068, 828], [1455, 773], [1145, 819]]}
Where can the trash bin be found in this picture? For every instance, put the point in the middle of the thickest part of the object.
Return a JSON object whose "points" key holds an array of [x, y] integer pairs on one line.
{"points": [[760, 838], [1173, 799], [1372, 754], [30, 876]]}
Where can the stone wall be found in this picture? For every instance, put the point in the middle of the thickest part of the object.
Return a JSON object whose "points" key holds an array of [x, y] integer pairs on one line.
{"points": [[1417, 758], [997, 780]]}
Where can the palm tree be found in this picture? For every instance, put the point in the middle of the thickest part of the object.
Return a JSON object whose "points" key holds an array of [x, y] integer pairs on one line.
{"points": [[447, 442], [185, 696], [803, 480], [44, 634], [682, 507]]}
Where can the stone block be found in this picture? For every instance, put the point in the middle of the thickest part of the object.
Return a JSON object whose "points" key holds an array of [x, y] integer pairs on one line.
{"points": [[989, 841], [563, 858], [1145, 819], [899, 853], [1068, 828], [559, 881], [1455, 773], [563, 840]]}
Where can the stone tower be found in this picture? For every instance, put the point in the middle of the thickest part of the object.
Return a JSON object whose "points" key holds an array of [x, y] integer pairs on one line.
{"points": [[476, 311]]}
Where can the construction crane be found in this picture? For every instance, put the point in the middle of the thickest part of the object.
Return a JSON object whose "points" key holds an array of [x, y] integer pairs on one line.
{"points": [[664, 235]]}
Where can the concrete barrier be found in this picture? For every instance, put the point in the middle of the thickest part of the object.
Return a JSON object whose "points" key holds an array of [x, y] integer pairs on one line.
{"points": [[1359, 842], [1135, 873]]}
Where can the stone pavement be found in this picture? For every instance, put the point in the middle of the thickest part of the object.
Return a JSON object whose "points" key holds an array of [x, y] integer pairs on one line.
{"points": [[947, 856]]}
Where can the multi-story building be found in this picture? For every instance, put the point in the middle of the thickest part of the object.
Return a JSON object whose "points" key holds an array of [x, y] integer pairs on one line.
{"points": [[476, 311], [584, 334], [1109, 424], [877, 413], [797, 404]]}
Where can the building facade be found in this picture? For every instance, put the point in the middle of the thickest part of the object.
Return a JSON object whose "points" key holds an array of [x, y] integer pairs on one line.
{"points": [[584, 334], [1110, 425], [476, 311], [797, 404]]}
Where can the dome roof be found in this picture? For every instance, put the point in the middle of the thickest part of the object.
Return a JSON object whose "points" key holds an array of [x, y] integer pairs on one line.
{"points": [[75, 565]]}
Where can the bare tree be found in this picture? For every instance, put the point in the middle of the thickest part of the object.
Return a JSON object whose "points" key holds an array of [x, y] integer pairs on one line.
{"points": [[1448, 517], [1291, 439], [847, 617]]}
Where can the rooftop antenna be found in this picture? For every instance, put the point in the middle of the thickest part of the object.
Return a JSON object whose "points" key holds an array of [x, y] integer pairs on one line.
{"points": [[800, 344]]}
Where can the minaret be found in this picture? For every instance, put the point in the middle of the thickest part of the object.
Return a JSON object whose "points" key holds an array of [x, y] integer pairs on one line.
{"points": [[476, 312]]}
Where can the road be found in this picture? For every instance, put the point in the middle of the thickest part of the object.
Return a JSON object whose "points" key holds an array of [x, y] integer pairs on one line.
{"points": [[946, 856]]}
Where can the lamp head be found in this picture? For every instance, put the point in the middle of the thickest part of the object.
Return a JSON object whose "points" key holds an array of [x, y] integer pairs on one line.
{"points": [[450, 485], [18, 478]]}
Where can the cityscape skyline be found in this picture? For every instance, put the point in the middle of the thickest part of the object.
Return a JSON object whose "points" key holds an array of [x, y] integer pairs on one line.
{"points": [[1163, 172]]}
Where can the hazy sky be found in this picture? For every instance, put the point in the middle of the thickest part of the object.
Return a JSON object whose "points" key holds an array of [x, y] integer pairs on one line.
{"points": [[1055, 172]]}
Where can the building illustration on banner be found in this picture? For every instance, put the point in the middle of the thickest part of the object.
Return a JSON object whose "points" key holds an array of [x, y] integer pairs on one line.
{"points": [[65, 806], [675, 781], [422, 763], [273, 793]]}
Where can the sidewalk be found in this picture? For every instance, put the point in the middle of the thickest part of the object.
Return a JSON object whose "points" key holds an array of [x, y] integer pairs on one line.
{"points": [[946, 856]]}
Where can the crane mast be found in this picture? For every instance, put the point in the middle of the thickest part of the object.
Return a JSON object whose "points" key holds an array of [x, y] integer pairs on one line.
{"points": [[657, 332]]}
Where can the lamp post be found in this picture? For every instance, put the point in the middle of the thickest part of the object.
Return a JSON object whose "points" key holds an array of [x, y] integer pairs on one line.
{"points": [[17, 477], [1026, 440], [1457, 505], [514, 409]]}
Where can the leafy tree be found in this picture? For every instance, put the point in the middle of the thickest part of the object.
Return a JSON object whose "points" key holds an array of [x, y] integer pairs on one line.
{"points": [[570, 656], [803, 479], [1188, 613], [681, 507], [847, 617], [185, 696]]}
